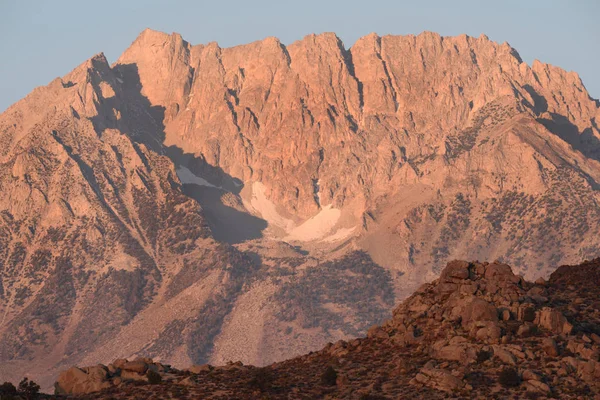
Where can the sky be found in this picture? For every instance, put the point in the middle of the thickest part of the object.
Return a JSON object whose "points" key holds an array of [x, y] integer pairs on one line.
{"points": [[44, 39]]}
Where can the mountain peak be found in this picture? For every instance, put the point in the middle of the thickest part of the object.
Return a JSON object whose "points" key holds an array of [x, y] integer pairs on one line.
{"points": [[97, 62], [150, 35], [322, 39]]}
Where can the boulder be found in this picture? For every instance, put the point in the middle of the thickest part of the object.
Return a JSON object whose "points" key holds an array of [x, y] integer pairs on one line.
{"points": [[119, 362], [537, 387], [527, 329], [479, 268], [377, 332], [189, 381], [138, 366], [77, 381], [158, 367], [132, 376], [439, 379], [537, 291], [112, 369], [500, 272], [526, 313], [463, 352], [489, 332], [468, 288], [529, 375], [504, 355], [481, 319], [342, 380], [540, 281], [196, 369], [407, 336], [478, 309], [516, 351], [456, 270], [583, 350], [588, 370], [98, 372], [553, 320], [549, 346]]}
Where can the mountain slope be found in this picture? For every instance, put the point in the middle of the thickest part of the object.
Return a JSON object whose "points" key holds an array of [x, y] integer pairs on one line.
{"points": [[315, 132], [92, 221], [101, 247], [162, 205]]}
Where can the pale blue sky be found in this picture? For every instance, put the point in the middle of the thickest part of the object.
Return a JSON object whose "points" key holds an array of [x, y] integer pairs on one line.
{"points": [[44, 39]]}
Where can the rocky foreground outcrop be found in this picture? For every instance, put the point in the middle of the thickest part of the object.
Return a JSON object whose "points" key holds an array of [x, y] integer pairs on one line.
{"points": [[479, 331]]}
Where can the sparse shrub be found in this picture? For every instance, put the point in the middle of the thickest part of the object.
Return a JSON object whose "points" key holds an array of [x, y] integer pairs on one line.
{"points": [[483, 356], [7, 389], [28, 388], [529, 315], [154, 378], [261, 379], [329, 377], [509, 377]]}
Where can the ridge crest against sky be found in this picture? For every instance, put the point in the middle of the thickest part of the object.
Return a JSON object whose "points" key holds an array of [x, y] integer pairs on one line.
{"points": [[43, 40]]}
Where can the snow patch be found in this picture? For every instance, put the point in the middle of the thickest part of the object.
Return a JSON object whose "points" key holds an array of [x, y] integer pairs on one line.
{"points": [[188, 177], [316, 227], [267, 209], [340, 234]]}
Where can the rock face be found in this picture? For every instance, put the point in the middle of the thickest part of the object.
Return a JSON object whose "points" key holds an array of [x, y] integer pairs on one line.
{"points": [[425, 147], [163, 205], [100, 246], [441, 358]]}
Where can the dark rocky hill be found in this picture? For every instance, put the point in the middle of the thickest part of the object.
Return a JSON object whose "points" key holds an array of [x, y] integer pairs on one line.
{"points": [[479, 331]]}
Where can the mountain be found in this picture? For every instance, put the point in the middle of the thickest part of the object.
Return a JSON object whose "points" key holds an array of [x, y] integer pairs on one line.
{"points": [[413, 148], [477, 332], [197, 204]]}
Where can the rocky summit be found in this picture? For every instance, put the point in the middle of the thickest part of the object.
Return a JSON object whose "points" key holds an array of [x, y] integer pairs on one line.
{"points": [[193, 204], [479, 331]]}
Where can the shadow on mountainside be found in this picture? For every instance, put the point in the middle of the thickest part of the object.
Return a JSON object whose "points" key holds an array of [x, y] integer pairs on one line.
{"points": [[362, 290], [130, 112], [144, 124], [221, 204], [583, 141]]}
